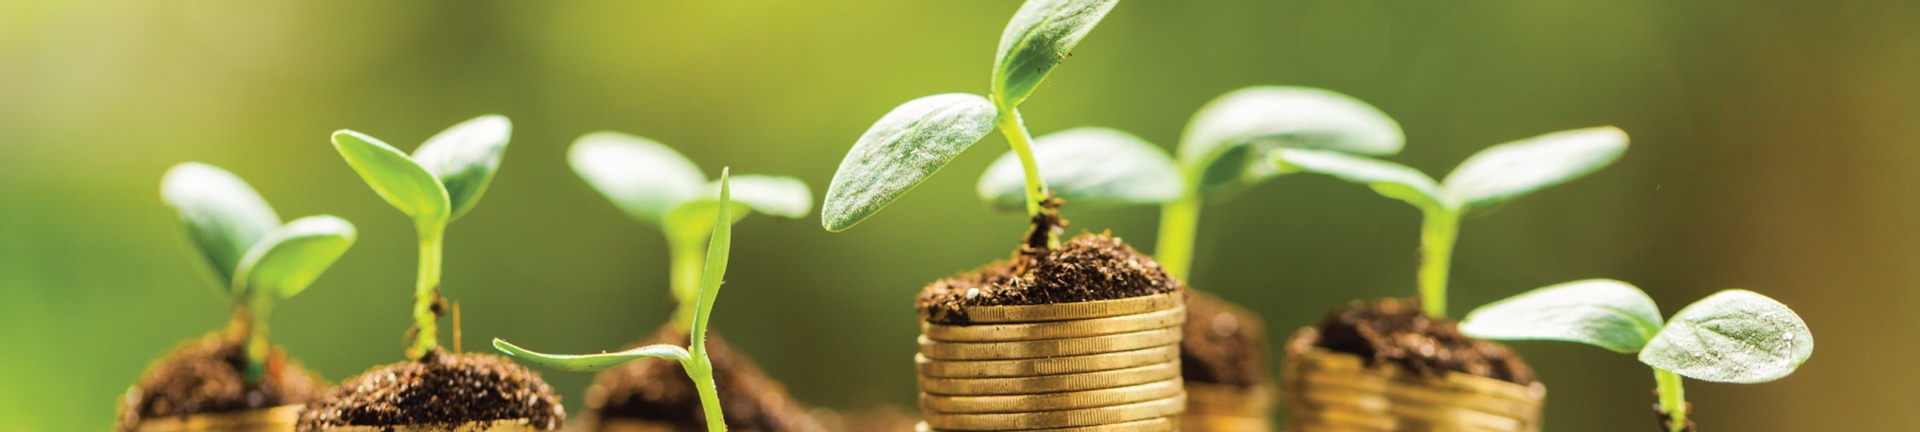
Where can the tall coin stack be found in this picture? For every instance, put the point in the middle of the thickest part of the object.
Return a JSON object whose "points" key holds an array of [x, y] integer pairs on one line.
{"points": [[1097, 366]]}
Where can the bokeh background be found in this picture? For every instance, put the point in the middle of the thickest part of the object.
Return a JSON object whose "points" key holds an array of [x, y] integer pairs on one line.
{"points": [[1774, 146]]}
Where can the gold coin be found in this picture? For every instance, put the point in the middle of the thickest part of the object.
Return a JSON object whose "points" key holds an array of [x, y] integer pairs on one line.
{"points": [[1048, 348], [1051, 401], [1044, 366], [1058, 419], [1056, 329], [1050, 383], [1068, 311], [1162, 424]]}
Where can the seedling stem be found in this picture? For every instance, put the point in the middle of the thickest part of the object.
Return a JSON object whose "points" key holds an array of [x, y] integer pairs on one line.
{"points": [[1673, 399], [1015, 129], [427, 290], [1179, 225], [1438, 229]]}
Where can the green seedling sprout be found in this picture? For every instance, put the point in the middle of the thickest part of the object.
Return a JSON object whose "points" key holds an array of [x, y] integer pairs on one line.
{"points": [[254, 258], [659, 187], [1493, 175], [1734, 336], [919, 137], [438, 183], [693, 358]]}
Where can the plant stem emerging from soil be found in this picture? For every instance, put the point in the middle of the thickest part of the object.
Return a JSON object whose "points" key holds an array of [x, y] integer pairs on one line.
{"points": [[427, 292], [1438, 230], [688, 258], [1015, 129], [1673, 399], [1179, 227], [252, 319]]}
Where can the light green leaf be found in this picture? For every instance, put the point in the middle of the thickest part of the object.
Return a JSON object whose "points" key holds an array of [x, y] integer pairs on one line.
{"points": [[1225, 144], [404, 184], [905, 147], [1601, 312], [1096, 166], [719, 247], [1734, 336], [694, 220], [785, 197], [644, 178], [593, 362], [464, 158], [1513, 169], [1389, 179], [1040, 35], [222, 214], [293, 256]]}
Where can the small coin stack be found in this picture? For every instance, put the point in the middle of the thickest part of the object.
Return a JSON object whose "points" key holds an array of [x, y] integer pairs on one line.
{"points": [[1098, 366]]}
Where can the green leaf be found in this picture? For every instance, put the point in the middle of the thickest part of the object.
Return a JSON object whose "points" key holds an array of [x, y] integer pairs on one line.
{"points": [[905, 147], [1601, 312], [644, 178], [1513, 169], [293, 256], [464, 158], [1089, 165], [222, 214], [1225, 144], [694, 220], [1734, 336], [593, 362], [1040, 35], [1389, 179], [404, 184], [785, 197], [718, 249]]}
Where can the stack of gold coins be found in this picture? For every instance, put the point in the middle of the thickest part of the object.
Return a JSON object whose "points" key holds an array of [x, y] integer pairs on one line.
{"points": [[1108, 365]]}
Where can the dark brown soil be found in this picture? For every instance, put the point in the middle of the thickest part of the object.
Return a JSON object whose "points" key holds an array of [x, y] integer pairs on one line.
{"points": [[1223, 343], [1089, 267], [1661, 416], [658, 390], [440, 389], [207, 376], [1395, 330]]}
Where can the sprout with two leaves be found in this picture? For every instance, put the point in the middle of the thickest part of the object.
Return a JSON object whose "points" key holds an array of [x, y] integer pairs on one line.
{"points": [[693, 358], [1734, 336], [256, 259]]}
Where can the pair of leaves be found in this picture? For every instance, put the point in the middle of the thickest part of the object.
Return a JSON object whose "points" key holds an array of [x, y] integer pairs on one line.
{"points": [[443, 178], [1090, 165], [655, 184], [1496, 174], [1733, 336], [241, 238]]}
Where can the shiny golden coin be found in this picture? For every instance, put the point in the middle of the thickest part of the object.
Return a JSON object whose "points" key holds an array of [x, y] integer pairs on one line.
{"points": [[1067, 311], [1044, 366], [1162, 424], [1050, 383], [1048, 348], [1058, 419], [1051, 401], [1056, 329]]}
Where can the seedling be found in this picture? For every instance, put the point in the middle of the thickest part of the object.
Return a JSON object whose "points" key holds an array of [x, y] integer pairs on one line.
{"points": [[1734, 336], [919, 137], [1493, 175], [440, 182], [659, 187], [693, 358], [255, 260]]}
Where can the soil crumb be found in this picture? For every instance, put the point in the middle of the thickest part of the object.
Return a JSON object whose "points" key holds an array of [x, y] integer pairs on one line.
{"points": [[1395, 330], [441, 389], [1223, 343], [658, 390], [1661, 415], [1090, 267], [207, 375]]}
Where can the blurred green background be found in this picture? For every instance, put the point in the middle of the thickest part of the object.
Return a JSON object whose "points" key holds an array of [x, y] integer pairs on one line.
{"points": [[1774, 150]]}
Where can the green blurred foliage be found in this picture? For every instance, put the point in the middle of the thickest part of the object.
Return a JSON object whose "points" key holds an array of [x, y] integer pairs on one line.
{"points": [[1773, 151]]}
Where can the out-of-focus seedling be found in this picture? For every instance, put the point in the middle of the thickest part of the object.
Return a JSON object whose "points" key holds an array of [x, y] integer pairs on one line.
{"points": [[1734, 336], [254, 258], [438, 183], [693, 358], [1493, 175]]}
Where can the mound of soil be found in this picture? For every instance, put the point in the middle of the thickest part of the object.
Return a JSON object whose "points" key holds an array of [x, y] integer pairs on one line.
{"points": [[658, 390], [208, 375], [1395, 330], [1223, 343], [1089, 267], [440, 389]]}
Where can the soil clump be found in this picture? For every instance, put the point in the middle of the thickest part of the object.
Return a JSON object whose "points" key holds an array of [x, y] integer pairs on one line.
{"points": [[440, 390], [207, 375], [1223, 343], [658, 390], [1090, 267], [1396, 331]]}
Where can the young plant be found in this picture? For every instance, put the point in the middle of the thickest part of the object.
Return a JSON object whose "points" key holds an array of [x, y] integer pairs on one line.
{"points": [[693, 358], [440, 182], [254, 258], [1493, 175], [659, 187], [1734, 336], [919, 137]]}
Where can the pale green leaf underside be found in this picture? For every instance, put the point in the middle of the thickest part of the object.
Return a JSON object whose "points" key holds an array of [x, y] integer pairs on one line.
{"points": [[223, 216], [464, 158], [1600, 312], [1389, 179], [1224, 146], [644, 178], [1038, 37], [1513, 169], [694, 220], [901, 150], [1734, 336], [395, 177], [1096, 166], [592, 362], [781, 196], [293, 256]]}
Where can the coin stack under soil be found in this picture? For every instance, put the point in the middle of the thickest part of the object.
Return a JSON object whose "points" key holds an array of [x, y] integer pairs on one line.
{"points": [[1098, 366]]}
